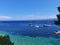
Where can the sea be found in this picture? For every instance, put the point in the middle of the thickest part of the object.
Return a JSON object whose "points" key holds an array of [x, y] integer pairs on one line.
{"points": [[31, 32]]}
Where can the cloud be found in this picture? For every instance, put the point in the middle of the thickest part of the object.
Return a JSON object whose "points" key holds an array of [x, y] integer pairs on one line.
{"points": [[34, 17], [27, 17], [5, 17]]}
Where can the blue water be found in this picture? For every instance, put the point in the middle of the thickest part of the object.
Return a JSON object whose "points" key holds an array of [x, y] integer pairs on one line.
{"points": [[22, 33]]}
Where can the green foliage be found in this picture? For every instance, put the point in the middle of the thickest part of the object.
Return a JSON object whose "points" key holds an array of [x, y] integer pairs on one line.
{"points": [[58, 17], [59, 9], [5, 40]]}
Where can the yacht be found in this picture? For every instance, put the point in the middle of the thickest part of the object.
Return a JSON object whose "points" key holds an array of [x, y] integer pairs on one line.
{"points": [[57, 32]]}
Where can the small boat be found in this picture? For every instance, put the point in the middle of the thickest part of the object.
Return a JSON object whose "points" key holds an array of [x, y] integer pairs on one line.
{"points": [[46, 25], [57, 32], [37, 26], [30, 24]]}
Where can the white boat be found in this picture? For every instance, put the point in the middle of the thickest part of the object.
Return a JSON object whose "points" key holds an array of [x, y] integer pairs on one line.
{"points": [[37, 26], [57, 32], [46, 25]]}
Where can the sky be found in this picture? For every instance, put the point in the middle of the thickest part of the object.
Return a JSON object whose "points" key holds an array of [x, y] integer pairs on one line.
{"points": [[28, 9]]}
